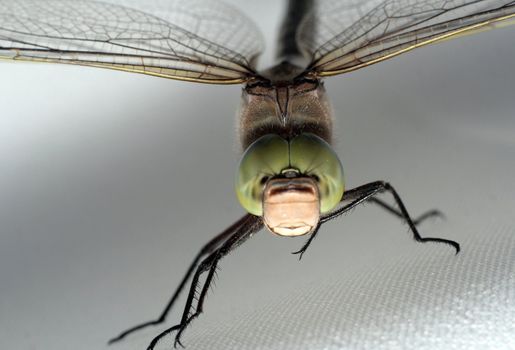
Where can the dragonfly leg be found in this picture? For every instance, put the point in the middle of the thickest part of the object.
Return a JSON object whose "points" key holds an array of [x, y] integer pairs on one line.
{"points": [[209, 264], [368, 192], [429, 214], [200, 305], [208, 248], [302, 250], [187, 316]]}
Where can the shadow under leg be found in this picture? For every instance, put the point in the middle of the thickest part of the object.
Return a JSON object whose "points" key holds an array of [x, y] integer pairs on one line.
{"points": [[433, 213]]}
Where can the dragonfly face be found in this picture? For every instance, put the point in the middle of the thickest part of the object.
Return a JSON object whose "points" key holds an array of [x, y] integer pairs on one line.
{"points": [[290, 182], [289, 178]]}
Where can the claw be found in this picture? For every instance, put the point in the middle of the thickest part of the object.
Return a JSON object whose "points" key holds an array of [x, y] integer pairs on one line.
{"points": [[177, 341], [300, 252], [156, 340], [178, 337]]}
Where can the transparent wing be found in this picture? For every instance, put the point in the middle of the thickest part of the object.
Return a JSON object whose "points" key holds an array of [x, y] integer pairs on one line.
{"points": [[203, 41], [356, 33]]}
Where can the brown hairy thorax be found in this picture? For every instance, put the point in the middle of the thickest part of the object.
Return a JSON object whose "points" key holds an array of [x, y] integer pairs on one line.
{"points": [[284, 109]]}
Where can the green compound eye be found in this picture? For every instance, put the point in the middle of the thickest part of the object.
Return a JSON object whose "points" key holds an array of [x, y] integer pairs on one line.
{"points": [[314, 157], [271, 154], [263, 159]]}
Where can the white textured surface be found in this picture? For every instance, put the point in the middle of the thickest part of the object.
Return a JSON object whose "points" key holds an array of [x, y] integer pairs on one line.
{"points": [[405, 301], [110, 182]]}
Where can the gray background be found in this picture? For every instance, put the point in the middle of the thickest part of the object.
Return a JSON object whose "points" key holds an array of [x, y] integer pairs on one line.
{"points": [[110, 182]]}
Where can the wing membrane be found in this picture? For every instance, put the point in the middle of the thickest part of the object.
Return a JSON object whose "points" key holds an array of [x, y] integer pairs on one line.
{"points": [[203, 41], [357, 33]]}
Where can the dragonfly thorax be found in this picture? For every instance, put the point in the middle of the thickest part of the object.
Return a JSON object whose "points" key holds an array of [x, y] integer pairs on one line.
{"points": [[286, 109]]}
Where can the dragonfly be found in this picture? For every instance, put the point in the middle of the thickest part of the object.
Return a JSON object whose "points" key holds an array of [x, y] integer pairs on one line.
{"points": [[290, 180]]}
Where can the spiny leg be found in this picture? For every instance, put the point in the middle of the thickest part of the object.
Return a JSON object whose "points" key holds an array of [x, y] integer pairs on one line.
{"points": [[384, 205], [252, 225], [355, 194], [204, 266], [212, 262], [366, 193], [372, 189], [208, 248], [200, 304]]}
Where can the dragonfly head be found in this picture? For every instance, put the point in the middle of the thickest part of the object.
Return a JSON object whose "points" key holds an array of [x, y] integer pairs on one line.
{"points": [[290, 183]]}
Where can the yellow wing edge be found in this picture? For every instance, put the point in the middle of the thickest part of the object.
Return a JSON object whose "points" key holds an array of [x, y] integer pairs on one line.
{"points": [[133, 69], [447, 36]]}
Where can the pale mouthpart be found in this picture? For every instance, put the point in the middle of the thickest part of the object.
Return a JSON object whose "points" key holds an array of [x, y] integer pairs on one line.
{"points": [[291, 206]]}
